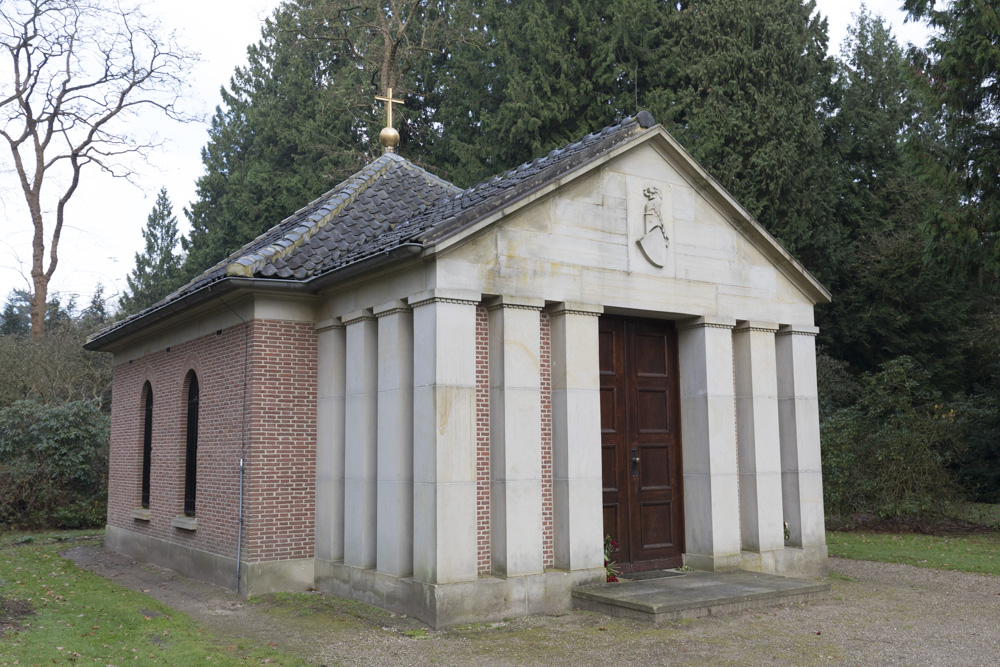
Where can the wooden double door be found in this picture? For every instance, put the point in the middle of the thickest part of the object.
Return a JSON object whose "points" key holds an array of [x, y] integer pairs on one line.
{"points": [[640, 442]]}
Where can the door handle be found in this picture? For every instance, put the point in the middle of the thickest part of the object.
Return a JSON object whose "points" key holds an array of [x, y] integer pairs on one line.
{"points": [[635, 462]]}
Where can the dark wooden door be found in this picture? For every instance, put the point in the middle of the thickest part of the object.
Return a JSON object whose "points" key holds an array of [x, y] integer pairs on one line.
{"points": [[640, 442]]}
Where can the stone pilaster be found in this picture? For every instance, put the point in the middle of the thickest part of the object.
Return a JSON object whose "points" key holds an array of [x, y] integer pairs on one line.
{"points": [[708, 443], [331, 377], [578, 522], [515, 436], [395, 439], [444, 436], [798, 410], [761, 512], [360, 439]]}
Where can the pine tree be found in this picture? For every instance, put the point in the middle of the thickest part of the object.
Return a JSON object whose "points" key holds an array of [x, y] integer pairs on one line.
{"points": [[745, 99], [543, 74], [301, 115], [157, 270], [961, 65], [888, 300]]}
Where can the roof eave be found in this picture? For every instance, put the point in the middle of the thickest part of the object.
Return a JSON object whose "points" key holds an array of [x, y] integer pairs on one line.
{"points": [[229, 284]]}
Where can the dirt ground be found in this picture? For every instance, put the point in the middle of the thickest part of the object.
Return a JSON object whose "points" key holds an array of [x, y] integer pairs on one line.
{"points": [[877, 614]]}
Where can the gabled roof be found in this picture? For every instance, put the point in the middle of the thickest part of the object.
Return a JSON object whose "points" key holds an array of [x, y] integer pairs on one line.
{"points": [[392, 209]]}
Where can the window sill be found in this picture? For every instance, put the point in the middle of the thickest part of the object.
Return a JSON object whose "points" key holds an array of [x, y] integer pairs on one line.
{"points": [[185, 522], [141, 514]]}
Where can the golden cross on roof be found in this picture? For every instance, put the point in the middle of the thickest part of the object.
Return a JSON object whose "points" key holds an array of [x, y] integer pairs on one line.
{"points": [[389, 137], [388, 99]]}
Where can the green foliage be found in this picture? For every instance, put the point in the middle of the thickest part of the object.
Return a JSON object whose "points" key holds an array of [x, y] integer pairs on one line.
{"points": [[746, 103], [157, 271], [54, 464], [301, 115], [960, 69], [54, 368], [890, 455], [540, 75]]}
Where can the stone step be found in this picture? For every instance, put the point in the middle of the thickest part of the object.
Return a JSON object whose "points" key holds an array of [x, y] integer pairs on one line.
{"points": [[695, 594]]}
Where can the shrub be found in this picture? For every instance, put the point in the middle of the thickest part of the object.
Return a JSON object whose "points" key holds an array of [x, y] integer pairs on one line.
{"points": [[891, 455], [53, 465]]}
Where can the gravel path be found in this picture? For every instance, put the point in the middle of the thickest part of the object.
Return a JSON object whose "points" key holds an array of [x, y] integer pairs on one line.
{"points": [[877, 614]]}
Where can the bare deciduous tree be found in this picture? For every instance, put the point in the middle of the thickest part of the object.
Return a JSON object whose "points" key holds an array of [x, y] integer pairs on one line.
{"points": [[74, 73]]}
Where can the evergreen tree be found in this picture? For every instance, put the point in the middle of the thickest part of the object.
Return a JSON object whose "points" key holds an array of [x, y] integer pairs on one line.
{"points": [[543, 74], [301, 116], [961, 66], [889, 301], [157, 270], [745, 100]]}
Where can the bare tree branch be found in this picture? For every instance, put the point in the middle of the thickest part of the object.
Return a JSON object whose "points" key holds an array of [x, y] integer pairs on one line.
{"points": [[72, 74]]}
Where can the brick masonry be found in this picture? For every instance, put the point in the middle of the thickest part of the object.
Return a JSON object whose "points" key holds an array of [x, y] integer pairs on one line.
{"points": [[277, 439], [545, 366], [483, 440]]}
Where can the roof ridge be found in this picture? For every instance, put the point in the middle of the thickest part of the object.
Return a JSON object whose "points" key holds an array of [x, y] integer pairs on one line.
{"points": [[555, 152], [247, 265], [407, 164]]}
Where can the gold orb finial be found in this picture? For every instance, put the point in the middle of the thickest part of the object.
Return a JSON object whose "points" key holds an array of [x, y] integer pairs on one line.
{"points": [[389, 138]]}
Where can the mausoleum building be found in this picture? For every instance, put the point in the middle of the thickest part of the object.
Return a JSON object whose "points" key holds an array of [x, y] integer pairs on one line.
{"points": [[439, 401]]}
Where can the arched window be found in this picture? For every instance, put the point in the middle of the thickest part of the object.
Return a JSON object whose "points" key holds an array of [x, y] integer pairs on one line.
{"points": [[147, 445], [191, 459]]}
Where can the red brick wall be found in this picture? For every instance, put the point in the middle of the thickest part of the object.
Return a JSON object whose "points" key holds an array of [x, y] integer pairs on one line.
{"points": [[483, 439], [545, 364], [281, 496], [281, 429]]}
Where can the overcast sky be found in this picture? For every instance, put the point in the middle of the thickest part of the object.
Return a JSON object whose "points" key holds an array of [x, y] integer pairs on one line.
{"points": [[105, 218]]}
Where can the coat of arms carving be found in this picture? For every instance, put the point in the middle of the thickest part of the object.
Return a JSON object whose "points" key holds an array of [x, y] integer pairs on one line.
{"points": [[654, 242]]}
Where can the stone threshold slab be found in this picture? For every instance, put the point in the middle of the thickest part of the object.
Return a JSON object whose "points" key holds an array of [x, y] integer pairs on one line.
{"points": [[696, 594]]}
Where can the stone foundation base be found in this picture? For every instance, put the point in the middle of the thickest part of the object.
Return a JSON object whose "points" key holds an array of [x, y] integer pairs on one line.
{"points": [[486, 599], [255, 578], [800, 562]]}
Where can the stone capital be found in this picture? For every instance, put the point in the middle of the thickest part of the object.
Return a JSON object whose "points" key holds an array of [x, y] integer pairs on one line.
{"points": [[444, 296], [518, 302], [747, 326], [357, 316], [797, 329], [574, 308], [391, 308], [328, 324], [707, 322]]}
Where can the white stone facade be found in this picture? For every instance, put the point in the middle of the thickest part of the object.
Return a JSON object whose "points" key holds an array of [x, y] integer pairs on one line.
{"points": [[744, 313]]}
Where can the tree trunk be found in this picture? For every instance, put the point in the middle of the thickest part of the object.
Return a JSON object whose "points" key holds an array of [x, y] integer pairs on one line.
{"points": [[39, 277]]}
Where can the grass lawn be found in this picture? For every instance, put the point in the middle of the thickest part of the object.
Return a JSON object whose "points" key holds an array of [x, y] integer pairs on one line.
{"points": [[81, 618], [974, 552]]}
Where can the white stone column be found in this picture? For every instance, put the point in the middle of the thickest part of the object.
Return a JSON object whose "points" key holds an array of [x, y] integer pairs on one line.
{"points": [[360, 433], [395, 439], [515, 436], [577, 512], [761, 511], [331, 378], [708, 444], [798, 410], [444, 436]]}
